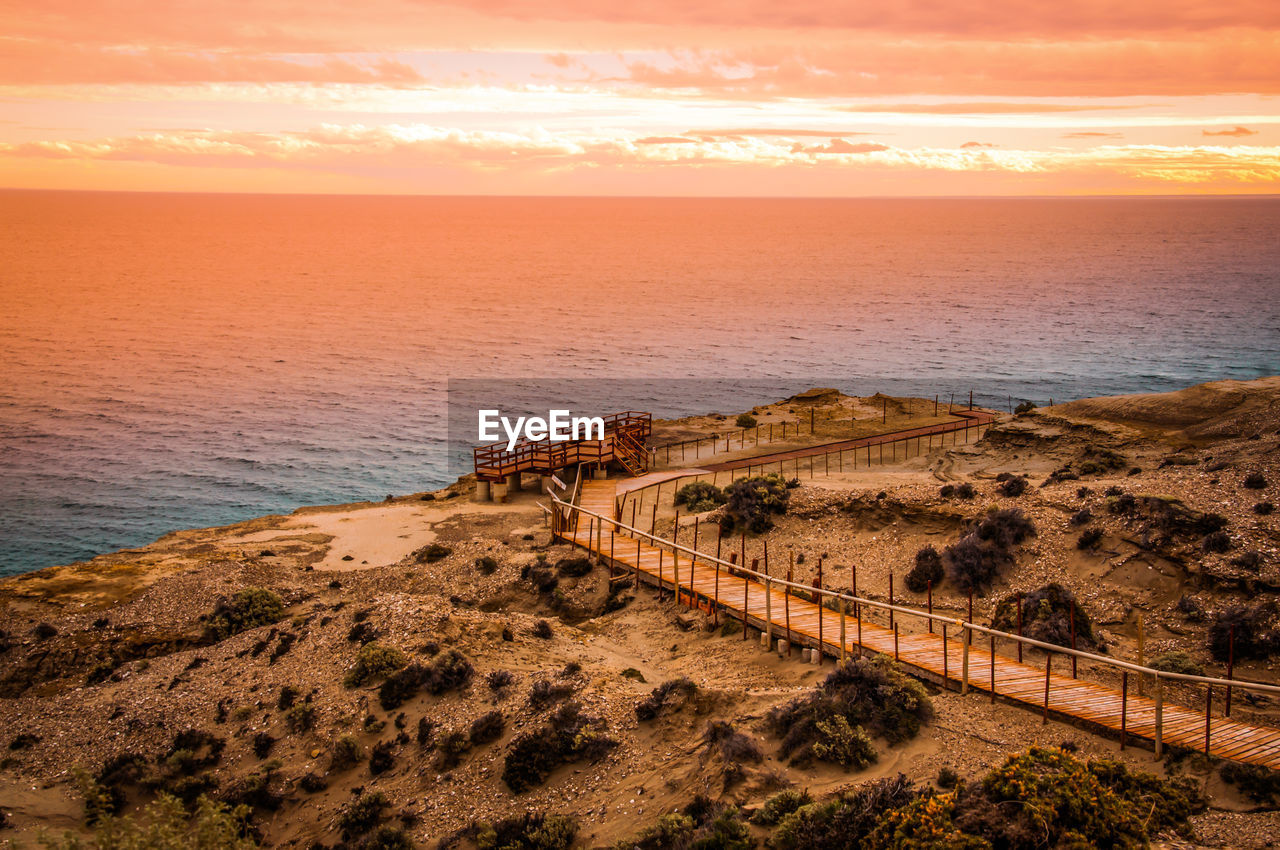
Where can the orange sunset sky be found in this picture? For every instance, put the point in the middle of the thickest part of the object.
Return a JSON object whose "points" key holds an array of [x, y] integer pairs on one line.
{"points": [[662, 97]]}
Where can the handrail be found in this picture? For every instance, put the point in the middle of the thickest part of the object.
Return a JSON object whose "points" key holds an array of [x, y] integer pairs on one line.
{"points": [[1242, 684]]}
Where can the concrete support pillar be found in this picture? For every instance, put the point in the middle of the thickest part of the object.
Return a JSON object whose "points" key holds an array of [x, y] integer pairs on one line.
{"points": [[483, 492], [764, 640], [500, 491], [513, 483], [816, 657], [806, 655], [601, 473], [544, 482], [783, 646]]}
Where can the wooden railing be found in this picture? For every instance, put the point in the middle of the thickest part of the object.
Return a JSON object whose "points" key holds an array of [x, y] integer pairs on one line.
{"points": [[494, 461], [840, 602]]}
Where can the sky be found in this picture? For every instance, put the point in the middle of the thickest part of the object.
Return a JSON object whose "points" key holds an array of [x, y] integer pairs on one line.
{"points": [[663, 97]]}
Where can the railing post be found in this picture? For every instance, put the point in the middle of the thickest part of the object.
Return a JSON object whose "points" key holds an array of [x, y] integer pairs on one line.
{"points": [[817, 597], [1208, 715], [768, 611], [993, 669], [786, 604], [1019, 627], [1048, 670], [1073, 638], [964, 661], [1159, 717], [929, 591], [746, 591], [1231, 663], [895, 641], [891, 599], [661, 552], [844, 612], [1124, 706], [944, 656]]}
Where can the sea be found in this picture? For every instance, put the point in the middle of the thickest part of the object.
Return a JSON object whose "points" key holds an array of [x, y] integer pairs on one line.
{"points": [[170, 361]]}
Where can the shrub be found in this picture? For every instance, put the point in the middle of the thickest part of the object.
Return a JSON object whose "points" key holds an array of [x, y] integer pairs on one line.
{"points": [[381, 759], [568, 736], [544, 692], [700, 496], [1217, 542], [1122, 503], [947, 491], [753, 502], [288, 694], [486, 565], [246, 609], [1013, 487], [431, 553], [449, 671], [347, 753], [1176, 661], [542, 629], [947, 777], [363, 632], [1260, 784], [668, 695], [846, 819], [927, 569], [1084, 492], [1082, 517], [361, 815], [166, 823], [1024, 407], [487, 728], [633, 673], [1253, 627], [452, 748], [426, 730], [301, 718], [374, 662], [44, 631], [866, 692], [974, 561], [1046, 616], [530, 831], [253, 791], [843, 744], [780, 805], [573, 567], [262, 744], [497, 680], [388, 837], [1191, 609], [1251, 560], [965, 491], [312, 783], [1255, 481], [735, 749], [1264, 508]]}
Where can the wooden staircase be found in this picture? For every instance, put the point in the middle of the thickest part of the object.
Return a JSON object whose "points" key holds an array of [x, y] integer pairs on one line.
{"points": [[629, 450]]}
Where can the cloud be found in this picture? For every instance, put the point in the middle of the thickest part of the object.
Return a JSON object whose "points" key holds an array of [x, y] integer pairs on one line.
{"points": [[666, 140], [1092, 134], [1234, 131], [839, 146], [773, 131], [980, 108], [978, 145]]}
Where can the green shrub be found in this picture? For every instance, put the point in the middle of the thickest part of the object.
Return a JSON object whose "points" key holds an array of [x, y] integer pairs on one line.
{"points": [[431, 553], [347, 753], [531, 831], [1176, 661], [486, 728], [165, 825], [669, 695], [745, 420], [844, 820], [301, 718], [387, 837], [374, 662], [361, 815], [780, 805], [1046, 616], [866, 692], [1260, 784], [841, 744], [974, 561], [1024, 407], [568, 736], [451, 748], [753, 502], [700, 496], [927, 570], [246, 609]]}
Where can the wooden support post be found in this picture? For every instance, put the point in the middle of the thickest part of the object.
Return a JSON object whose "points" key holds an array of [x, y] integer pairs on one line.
{"points": [[1048, 670], [675, 565], [895, 641], [945, 655], [891, 598], [1124, 707], [844, 612], [768, 609], [1159, 717], [746, 590], [929, 592], [993, 669], [613, 534], [1231, 663], [1142, 640], [661, 552], [1019, 627], [715, 602], [817, 597], [1208, 713], [964, 661], [1073, 638], [653, 523], [786, 605], [969, 618]]}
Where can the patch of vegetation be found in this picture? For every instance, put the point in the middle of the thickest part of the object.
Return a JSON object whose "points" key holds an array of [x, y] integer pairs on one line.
{"points": [[312, 783], [735, 750], [754, 502], [1096, 460], [1013, 487], [948, 778], [431, 553], [347, 753], [1190, 608], [165, 825], [1045, 798], [574, 567], [1046, 616], [745, 420], [927, 570], [846, 819], [1024, 407], [262, 744], [361, 815], [867, 693], [1255, 481], [568, 736], [1218, 542], [382, 758], [374, 662], [842, 744], [1082, 517], [544, 692], [301, 718], [499, 680], [1089, 538], [1264, 509], [44, 631], [702, 824], [700, 496], [780, 805], [246, 609], [1253, 627], [633, 673], [530, 831], [542, 629], [487, 728], [1176, 661], [451, 748], [486, 565], [974, 561], [1260, 784], [668, 696]]}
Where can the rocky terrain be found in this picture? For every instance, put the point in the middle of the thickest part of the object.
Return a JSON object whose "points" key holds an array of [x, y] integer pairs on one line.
{"points": [[421, 669]]}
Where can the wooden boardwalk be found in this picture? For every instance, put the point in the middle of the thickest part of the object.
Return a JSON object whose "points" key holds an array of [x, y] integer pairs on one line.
{"points": [[1053, 693]]}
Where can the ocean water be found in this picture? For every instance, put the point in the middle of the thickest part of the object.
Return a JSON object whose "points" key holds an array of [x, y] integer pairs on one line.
{"points": [[174, 361]]}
